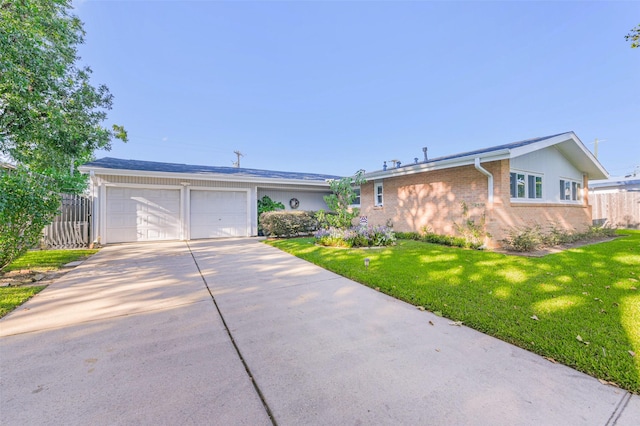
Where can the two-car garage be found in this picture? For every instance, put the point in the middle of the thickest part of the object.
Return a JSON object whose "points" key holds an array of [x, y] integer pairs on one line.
{"points": [[146, 214], [149, 201]]}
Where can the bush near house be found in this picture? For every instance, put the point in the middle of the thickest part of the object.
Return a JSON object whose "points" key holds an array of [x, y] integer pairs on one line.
{"points": [[266, 204], [341, 213], [445, 240], [534, 238], [288, 224], [358, 236]]}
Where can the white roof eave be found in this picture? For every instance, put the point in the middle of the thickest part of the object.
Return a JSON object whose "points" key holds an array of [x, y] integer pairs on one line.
{"points": [[201, 176]]}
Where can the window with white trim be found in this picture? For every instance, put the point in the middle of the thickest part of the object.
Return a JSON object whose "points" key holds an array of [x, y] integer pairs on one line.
{"points": [[570, 190], [525, 185], [378, 193], [356, 200]]}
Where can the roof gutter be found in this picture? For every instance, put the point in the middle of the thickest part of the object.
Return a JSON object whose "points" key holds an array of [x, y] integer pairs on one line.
{"points": [[489, 178]]}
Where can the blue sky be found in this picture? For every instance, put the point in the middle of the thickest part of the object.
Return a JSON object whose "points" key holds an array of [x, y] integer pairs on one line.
{"points": [[333, 87]]}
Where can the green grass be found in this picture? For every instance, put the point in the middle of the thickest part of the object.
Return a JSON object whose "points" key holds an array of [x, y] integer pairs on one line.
{"points": [[47, 260], [12, 297], [591, 292], [40, 261]]}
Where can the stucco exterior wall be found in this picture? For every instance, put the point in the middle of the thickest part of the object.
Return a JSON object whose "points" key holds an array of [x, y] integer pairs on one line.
{"points": [[435, 200]]}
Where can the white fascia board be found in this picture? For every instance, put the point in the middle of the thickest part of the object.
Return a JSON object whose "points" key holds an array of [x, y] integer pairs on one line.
{"points": [[270, 185], [532, 147], [587, 163], [467, 160], [201, 176]]}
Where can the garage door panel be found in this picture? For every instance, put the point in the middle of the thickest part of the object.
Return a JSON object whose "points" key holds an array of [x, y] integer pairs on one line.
{"points": [[140, 214], [216, 214]]}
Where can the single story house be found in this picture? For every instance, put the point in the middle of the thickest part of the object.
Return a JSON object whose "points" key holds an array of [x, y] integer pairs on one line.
{"points": [[151, 201], [541, 181], [616, 201]]}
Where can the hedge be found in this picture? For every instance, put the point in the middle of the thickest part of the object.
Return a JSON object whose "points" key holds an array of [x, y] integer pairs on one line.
{"points": [[288, 223]]}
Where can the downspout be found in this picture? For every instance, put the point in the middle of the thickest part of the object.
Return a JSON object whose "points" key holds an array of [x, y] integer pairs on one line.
{"points": [[489, 178]]}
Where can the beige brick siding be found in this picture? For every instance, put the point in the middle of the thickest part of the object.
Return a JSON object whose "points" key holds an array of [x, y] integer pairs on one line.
{"points": [[434, 200]]}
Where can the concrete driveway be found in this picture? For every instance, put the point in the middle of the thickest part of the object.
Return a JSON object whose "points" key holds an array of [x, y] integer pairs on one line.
{"points": [[236, 332]]}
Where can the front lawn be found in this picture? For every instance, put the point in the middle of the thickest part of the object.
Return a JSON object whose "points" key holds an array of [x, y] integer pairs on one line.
{"points": [[36, 261], [12, 297], [47, 260], [580, 307]]}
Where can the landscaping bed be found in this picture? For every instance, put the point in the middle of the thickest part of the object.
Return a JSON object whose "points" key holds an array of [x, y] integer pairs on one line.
{"points": [[580, 307]]}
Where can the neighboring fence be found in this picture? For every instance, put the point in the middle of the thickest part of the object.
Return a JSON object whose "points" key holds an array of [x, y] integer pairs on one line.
{"points": [[619, 209], [71, 228]]}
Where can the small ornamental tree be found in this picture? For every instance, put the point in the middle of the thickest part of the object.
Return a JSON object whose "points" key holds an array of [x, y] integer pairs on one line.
{"points": [[340, 202]]}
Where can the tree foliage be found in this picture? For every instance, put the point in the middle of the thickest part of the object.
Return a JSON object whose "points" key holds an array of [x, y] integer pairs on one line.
{"points": [[50, 114], [634, 37], [266, 204], [340, 202], [27, 203]]}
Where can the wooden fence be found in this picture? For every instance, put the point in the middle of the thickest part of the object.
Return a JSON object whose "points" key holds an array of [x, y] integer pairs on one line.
{"points": [[620, 209], [71, 228]]}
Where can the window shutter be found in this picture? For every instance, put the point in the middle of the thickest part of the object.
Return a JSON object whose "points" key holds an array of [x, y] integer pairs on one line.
{"points": [[532, 186]]}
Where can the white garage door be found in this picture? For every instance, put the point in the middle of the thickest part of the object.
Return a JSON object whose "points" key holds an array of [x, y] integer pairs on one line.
{"points": [[217, 214], [137, 214]]}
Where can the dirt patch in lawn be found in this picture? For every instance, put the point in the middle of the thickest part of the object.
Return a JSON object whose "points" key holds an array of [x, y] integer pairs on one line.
{"points": [[27, 277]]}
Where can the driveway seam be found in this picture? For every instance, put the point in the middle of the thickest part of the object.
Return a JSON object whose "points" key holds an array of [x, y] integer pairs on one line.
{"points": [[233, 342], [617, 412]]}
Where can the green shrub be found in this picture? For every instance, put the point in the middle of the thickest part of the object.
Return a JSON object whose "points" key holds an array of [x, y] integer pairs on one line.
{"points": [[532, 238], [522, 240], [27, 204], [473, 233], [288, 223], [266, 204], [358, 236], [340, 201], [428, 236], [408, 236]]}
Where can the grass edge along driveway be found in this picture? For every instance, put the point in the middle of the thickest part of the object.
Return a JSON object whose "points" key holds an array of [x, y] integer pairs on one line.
{"points": [[40, 261], [580, 307]]}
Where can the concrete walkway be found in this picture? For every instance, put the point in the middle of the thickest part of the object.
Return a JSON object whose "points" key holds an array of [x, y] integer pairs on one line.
{"points": [[133, 336]]}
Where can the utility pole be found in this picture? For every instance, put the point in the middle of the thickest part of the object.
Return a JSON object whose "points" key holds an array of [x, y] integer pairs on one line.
{"points": [[595, 147], [238, 154]]}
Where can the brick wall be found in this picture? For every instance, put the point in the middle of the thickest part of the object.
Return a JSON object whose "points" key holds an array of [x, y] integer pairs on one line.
{"points": [[434, 199]]}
